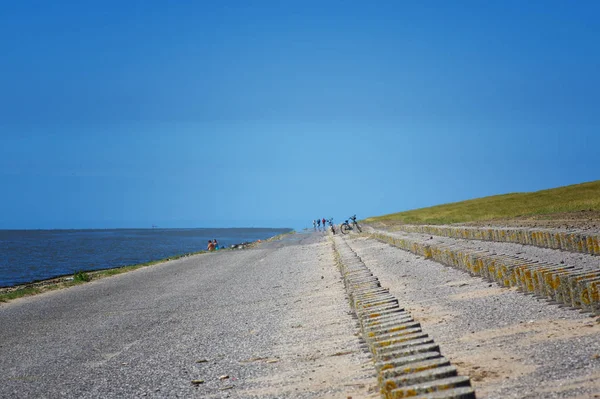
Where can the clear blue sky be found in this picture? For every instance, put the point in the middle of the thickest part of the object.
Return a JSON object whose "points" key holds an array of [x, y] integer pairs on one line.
{"points": [[273, 113]]}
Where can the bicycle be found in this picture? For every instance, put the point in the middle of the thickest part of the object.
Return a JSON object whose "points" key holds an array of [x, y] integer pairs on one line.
{"points": [[355, 223], [346, 227]]}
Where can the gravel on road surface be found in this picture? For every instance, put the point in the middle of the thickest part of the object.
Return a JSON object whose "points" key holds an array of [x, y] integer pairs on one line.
{"points": [[268, 322]]}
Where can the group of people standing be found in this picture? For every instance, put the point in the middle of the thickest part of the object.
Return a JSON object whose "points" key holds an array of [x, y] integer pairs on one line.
{"points": [[318, 222]]}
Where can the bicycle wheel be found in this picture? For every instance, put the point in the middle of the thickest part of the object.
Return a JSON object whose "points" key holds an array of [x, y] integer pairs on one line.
{"points": [[358, 228], [345, 228]]}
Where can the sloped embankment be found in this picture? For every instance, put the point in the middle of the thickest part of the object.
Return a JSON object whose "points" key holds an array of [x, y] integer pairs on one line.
{"points": [[576, 285], [407, 361]]}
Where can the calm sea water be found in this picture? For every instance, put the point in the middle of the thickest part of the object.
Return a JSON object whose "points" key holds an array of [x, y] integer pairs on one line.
{"points": [[30, 255]]}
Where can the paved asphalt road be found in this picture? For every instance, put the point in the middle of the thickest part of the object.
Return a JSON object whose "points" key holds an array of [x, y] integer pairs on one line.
{"points": [[271, 321]]}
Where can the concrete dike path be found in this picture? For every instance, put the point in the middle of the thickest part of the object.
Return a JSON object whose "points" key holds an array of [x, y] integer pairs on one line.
{"points": [[266, 322], [308, 316]]}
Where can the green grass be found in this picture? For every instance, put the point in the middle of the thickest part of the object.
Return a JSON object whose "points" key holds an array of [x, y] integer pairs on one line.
{"points": [[82, 277], [578, 197], [281, 236]]}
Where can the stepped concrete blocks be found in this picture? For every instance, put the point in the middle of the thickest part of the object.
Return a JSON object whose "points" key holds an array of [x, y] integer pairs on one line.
{"points": [[581, 243], [417, 377], [408, 351], [365, 284], [444, 386], [552, 280], [383, 313], [374, 315], [379, 344], [454, 393], [515, 271], [570, 241], [523, 275], [401, 361], [375, 305], [399, 317], [369, 292], [427, 253], [575, 285], [366, 304], [508, 275], [553, 283], [489, 267], [538, 277], [543, 280], [403, 353], [527, 280], [415, 367], [377, 310], [369, 295], [589, 293], [374, 332], [379, 351], [372, 337], [391, 327], [563, 291], [593, 288]]}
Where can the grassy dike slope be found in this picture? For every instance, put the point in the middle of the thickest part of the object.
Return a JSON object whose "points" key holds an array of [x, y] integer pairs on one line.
{"points": [[541, 204]]}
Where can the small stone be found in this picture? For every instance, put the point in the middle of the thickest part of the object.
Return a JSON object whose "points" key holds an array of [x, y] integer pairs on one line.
{"points": [[224, 377]]}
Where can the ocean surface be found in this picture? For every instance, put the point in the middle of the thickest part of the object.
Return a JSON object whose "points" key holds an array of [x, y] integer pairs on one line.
{"points": [[31, 255]]}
